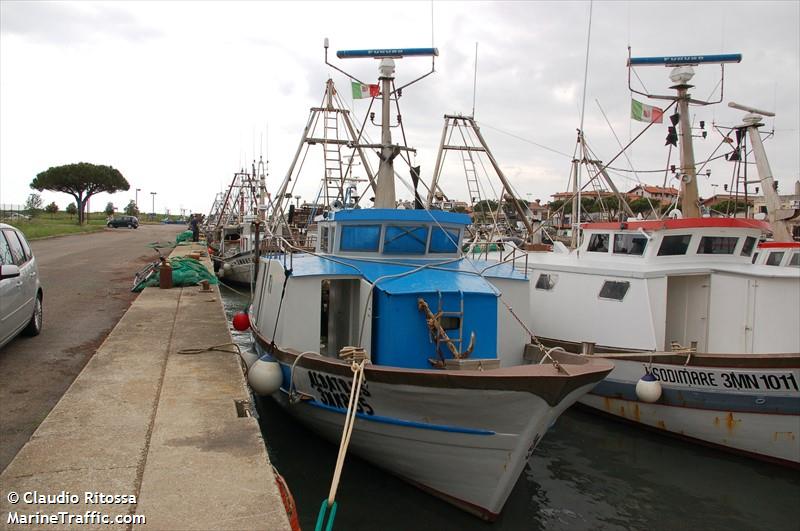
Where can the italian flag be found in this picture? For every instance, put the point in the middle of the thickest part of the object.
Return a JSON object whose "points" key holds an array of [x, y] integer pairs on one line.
{"points": [[646, 113], [365, 91]]}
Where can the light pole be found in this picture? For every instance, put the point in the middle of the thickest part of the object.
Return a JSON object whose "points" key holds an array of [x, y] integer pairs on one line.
{"points": [[153, 214], [136, 196]]}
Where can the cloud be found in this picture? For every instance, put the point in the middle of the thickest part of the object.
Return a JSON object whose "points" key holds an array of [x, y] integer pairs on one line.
{"points": [[71, 24]]}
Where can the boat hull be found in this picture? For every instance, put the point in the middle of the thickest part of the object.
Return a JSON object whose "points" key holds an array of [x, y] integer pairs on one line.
{"points": [[238, 269], [463, 446], [751, 406]]}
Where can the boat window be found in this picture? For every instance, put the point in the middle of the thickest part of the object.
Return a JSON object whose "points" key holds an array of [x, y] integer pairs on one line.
{"points": [[755, 257], [629, 244], [360, 237], [443, 240], [674, 245], [748, 246], [614, 290], [774, 258], [450, 322], [405, 239], [598, 243], [794, 261], [323, 240], [546, 281], [717, 245]]}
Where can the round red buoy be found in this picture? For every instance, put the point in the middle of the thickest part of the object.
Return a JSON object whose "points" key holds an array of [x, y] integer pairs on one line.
{"points": [[241, 321]]}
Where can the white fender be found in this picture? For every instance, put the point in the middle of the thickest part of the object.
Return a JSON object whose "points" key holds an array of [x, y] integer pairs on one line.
{"points": [[648, 389], [265, 377]]}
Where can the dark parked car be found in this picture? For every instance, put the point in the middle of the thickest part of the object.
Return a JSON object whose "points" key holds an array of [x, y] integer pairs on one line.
{"points": [[20, 290], [132, 222]]}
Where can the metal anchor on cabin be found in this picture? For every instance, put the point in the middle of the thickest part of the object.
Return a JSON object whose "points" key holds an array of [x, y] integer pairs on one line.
{"points": [[439, 335]]}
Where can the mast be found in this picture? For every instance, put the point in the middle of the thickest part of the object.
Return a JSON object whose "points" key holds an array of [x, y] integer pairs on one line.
{"points": [[690, 206], [384, 190], [384, 186], [682, 72], [775, 214]]}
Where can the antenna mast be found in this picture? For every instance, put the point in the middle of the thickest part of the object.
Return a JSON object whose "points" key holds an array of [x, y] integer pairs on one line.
{"points": [[682, 72], [384, 187]]}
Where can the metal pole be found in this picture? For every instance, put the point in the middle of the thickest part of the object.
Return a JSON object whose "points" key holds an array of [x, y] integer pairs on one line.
{"points": [[438, 167], [780, 232], [576, 204], [689, 205], [351, 128], [502, 177], [384, 194], [277, 210]]}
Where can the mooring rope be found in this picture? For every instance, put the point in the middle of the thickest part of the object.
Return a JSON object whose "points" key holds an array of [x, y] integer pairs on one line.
{"points": [[347, 430]]}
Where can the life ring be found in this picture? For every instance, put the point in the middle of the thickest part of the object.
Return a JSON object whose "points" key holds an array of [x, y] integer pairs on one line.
{"points": [[288, 500]]}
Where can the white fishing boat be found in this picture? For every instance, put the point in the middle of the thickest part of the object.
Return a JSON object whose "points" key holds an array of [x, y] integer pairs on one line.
{"points": [[704, 335], [454, 398], [238, 221]]}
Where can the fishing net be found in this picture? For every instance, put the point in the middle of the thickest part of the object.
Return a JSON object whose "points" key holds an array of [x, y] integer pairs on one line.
{"points": [[183, 236], [185, 272]]}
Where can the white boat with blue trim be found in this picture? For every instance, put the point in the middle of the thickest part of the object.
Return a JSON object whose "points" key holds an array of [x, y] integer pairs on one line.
{"points": [[450, 402]]}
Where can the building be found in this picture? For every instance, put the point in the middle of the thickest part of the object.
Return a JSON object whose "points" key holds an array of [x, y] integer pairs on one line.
{"points": [[658, 193]]}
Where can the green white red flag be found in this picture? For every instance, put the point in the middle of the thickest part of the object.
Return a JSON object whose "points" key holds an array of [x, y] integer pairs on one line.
{"points": [[646, 113], [365, 91]]}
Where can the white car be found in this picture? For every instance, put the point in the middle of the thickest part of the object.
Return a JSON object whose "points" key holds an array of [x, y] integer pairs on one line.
{"points": [[20, 290]]}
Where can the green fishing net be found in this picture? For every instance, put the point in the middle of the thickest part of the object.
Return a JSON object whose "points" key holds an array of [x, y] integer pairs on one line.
{"points": [[185, 272]]}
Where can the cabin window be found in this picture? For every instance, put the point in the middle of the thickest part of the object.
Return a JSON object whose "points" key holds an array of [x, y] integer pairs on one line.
{"points": [[748, 246], [717, 245], [405, 239], [360, 237], [546, 281], [774, 258], [794, 261], [598, 243], [614, 290], [629, 244], [443, 240], [755, 257], [674, 245], [450, 322], [323, 240]]}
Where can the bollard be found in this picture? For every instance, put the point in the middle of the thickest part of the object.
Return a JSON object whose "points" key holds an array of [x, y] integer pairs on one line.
{"points": [[165, 275]]}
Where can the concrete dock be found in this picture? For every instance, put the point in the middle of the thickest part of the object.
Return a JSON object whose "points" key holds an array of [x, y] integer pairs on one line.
{"points": [[148, 437]]}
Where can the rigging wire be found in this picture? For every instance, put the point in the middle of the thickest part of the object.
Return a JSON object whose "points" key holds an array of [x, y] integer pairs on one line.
{"points": [[627, 158], [557, 152]]}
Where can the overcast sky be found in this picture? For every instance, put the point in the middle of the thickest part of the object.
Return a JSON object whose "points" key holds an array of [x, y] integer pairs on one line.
{"points": [[178, 96]]}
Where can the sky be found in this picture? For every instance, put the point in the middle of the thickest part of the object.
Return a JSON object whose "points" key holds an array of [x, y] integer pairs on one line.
{"points": [[179, 96]]}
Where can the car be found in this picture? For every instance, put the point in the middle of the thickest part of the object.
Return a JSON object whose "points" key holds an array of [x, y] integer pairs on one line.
{"points": [[16, 216], [21, 292], [132, 222]]}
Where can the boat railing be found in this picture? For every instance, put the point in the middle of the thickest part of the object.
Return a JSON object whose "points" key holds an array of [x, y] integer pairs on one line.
{"points": [[277, 248], [514, 254]]}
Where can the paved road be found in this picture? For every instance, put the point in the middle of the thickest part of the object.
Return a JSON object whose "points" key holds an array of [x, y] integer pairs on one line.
{"points": [[86, 281]]}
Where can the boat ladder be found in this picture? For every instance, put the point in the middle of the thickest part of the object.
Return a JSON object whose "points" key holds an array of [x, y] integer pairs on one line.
{"points": [[334, 178]]}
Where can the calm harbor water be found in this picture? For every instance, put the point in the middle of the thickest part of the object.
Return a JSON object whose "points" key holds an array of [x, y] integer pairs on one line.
{"points": [[588, 473]]}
